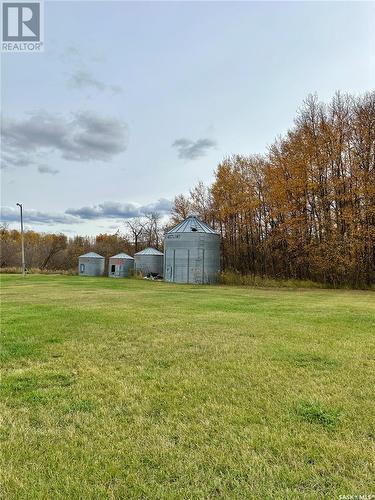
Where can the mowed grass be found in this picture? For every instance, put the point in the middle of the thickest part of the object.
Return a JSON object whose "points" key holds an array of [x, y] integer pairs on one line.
{"points": [[133, 389]]}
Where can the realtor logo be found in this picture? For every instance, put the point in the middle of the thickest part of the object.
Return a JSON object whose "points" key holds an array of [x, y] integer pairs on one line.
{"points": [[22, 27]]}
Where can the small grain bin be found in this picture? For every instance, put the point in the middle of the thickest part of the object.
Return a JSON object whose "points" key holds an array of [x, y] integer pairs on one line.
{"points": [[191, 253], [120, 265], [149, 261], [91, 264]]}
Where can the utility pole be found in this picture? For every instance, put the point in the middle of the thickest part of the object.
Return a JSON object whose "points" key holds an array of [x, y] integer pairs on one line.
{"points": [[22, 243]]}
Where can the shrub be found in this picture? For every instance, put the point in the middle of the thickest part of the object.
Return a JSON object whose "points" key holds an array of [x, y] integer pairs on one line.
{"points": [[34, 270], [233, 278]]}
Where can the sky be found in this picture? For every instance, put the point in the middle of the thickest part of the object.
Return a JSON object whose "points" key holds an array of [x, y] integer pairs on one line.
{"points": [[132, 103]]}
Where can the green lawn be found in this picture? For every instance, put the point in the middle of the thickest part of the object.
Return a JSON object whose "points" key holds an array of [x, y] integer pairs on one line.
{"points": [[134, 389]]}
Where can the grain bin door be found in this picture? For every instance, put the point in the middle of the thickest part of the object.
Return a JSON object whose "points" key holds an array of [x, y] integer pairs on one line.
{"points": [[169, 260], [181, 270]]}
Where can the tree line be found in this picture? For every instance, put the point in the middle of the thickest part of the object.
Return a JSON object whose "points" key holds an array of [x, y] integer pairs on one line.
{"points": [[46, 251], [303, 210], [306, 208]]}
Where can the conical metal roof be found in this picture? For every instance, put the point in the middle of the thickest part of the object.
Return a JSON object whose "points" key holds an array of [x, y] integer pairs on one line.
{"points": [[149, 251], [190, 225], [121, 255], [92, 255]]}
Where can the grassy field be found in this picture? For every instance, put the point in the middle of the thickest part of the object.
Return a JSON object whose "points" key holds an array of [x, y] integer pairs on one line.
{"points": [[134, 389]]}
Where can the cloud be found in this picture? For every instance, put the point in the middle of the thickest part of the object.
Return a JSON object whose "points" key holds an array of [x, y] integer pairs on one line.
{"points": [[10, 214], [106, 210], [191, 150], [19, 160], [84, 136], [162, 206], [45, 169], [115, 210], [69, 54], [73, 54], [82, 79]]}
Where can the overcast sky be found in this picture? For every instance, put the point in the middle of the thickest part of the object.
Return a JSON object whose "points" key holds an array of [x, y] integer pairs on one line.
{"points": [[133, 103]]}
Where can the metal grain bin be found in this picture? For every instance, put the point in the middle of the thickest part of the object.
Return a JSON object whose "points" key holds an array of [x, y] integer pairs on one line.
{"points": [[191, 253], [120, 265], [91, 264], [149, 261]]}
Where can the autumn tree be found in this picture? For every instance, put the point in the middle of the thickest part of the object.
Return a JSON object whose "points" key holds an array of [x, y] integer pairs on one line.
{"points": [[306, 209]]}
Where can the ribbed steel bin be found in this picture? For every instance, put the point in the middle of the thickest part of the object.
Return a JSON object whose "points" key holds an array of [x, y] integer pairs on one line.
{"points": [[192, 253], [91, 264], [120, 265], [149, 261]]}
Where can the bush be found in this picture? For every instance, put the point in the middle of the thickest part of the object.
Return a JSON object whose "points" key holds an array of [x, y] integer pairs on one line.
{"points": [[233, 278], [34, 270]]}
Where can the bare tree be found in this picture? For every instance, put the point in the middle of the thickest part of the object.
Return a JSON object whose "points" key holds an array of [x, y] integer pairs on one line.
{"points": [[152, 229], [136, 229]]}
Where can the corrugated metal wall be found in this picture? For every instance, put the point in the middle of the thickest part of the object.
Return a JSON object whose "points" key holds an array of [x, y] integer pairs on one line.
{"points": [[146, 264], [192, 257], [122, 269], [91, 266]]}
